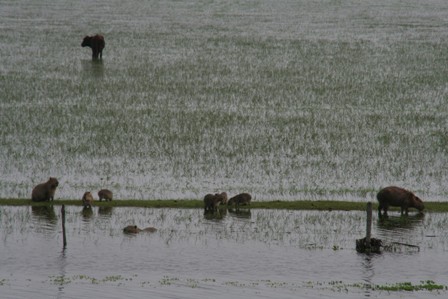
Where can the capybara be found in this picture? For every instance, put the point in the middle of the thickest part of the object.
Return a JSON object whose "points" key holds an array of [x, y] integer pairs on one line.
{"points": [[398, 197], [106, 194], [45, 191], [222, 197], [87, 200], [212, 202], [133, 229], [96, 42], [240, 199]]}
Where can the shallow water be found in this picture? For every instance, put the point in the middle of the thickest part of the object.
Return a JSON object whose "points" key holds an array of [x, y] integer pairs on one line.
{"points": [[254, 254], [288, 100]]}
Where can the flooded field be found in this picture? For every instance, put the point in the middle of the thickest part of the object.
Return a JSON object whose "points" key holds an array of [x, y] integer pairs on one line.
{"points": [[284, 99], [250, 254]]}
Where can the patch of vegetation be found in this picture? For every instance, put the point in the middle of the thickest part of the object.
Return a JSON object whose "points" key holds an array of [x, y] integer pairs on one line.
{"points": [[322, 205], [427, 285], [166, 280]]}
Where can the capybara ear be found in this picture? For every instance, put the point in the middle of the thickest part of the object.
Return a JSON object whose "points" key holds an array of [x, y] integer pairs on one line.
{"points": [[135, 226]]}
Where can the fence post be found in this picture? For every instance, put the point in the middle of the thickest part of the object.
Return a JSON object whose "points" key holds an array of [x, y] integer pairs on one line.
{"points": [[63, 226], [369, 225]]}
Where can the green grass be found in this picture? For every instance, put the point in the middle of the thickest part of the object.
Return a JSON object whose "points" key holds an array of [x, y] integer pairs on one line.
{"points": [[324, 205]]}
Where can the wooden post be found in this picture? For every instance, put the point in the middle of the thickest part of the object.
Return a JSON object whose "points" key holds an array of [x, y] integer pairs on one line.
{"points": [[63, 226], [369, 225]]}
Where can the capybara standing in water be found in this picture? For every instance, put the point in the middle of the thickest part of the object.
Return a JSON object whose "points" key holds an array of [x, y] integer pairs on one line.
{"points": [[87, 200], [212, 202], [398, 197], [96, 42], [106, 194], [240, 199], [45, 191]]}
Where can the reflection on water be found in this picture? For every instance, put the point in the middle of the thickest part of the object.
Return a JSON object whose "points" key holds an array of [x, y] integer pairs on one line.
{"points": [[394, 228], [240, 213], [368, 262], [93, 68], [259, 249], [219, 214], [62, 264], [105, 211], [87, 213], [45, 213]]}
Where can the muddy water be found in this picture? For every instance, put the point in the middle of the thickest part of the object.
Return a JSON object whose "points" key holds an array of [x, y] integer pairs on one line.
{"points": [[250, 254]]}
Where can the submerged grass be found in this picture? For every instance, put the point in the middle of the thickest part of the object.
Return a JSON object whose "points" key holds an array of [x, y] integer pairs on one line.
{"points": [[324, 205], [284, 99]]}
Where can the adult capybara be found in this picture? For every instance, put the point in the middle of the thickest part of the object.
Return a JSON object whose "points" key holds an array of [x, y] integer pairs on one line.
{"points": [[133, 229], [106, 194], [96, 42], [212, 202], [87, 200], [240, 199], [45, 191], [398, 197]]}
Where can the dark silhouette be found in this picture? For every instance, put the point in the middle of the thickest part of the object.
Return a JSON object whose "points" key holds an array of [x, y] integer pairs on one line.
{"points": [[96, 43]]}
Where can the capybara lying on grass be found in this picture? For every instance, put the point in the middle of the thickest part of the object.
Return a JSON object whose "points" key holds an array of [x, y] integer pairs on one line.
{"points": [[106, 194], [133, 229], [212, 202], [240, 199], [96, 42], [87, 200], [398, 197], [45, 191]]}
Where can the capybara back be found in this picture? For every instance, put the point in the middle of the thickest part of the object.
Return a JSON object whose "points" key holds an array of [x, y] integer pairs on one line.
{"points": [[240, 199], [105, 194]]}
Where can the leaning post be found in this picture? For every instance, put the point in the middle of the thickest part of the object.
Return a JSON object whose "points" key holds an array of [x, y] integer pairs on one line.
{"points": [[63, 226]]}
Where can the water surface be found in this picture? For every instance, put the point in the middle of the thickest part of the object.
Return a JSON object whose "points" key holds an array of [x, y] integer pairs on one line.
{"points": [[254, 254]]}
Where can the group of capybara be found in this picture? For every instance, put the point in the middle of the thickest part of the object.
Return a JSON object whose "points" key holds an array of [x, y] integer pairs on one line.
{"points": [[391, 196], [45, 192], [213, 201]]}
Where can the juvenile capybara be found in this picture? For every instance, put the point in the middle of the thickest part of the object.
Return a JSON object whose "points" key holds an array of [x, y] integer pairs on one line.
{"points": [[87, 200], [212, 202], [223, 197], [106, 194], [96, 42], [398, 197], [133, 229], [240, 199], [45, 191]]}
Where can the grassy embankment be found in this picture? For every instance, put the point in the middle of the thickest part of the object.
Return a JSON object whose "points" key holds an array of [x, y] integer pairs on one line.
{"points": [[191, 204]]}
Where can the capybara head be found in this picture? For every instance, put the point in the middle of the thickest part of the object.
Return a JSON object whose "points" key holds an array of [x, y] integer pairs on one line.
{"points": [[223, 197], [87, 41], [417, 203], [131, 229], [53, 182]]}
